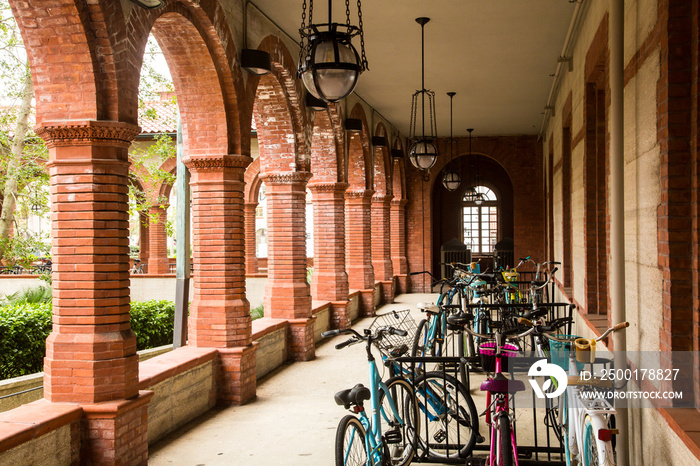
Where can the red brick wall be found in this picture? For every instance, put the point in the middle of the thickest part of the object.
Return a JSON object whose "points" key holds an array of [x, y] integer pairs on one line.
{"points": [[520, 158]]}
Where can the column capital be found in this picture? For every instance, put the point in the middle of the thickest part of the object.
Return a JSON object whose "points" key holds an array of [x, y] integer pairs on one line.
{"points": [[87, 133], [328, 187], [382, 198], [359, 194], [399, 202], [286, 178], [216, 162]]}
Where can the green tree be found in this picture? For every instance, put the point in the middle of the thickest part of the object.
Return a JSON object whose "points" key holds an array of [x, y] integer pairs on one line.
{"points": [[22, 153]]}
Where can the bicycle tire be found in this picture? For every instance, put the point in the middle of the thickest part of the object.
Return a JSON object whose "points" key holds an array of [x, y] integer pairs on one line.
{"points": [[589, 453], [420, 340], [348, 451], [505, 443], [448, 420], [401, 391]]}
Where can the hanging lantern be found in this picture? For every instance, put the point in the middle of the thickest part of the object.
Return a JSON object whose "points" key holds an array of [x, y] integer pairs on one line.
{"points": [[329, 65], [423, 152], [451, 179]]}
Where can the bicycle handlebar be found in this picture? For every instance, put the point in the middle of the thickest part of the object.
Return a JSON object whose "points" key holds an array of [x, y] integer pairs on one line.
{"points": [[615, 328], [368, 336]]}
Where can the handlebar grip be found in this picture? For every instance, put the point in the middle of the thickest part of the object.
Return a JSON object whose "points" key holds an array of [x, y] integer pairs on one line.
{"points": [[526, 322], [330, 333], [398, 331], [556, 263], [345, 343], [621, 325], [554, 270]]}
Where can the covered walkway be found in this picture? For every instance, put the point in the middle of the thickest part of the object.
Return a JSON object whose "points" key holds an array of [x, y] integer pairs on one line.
{"points": [[293, 417]]}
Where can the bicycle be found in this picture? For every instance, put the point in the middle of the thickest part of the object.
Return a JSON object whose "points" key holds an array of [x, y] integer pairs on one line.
{"points": [[503, 450], [449, 425], [138, 267], [587, 423], [361, 439]]}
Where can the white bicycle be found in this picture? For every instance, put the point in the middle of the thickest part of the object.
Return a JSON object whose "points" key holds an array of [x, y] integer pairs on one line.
{"points": [[586, 422]]}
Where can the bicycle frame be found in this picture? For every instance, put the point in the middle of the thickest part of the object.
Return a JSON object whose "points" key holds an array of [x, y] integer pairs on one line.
{"points": [[372, 425], [577, 409]]}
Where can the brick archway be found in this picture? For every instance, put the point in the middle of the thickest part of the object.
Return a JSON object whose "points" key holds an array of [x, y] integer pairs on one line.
{"points": [[253, 184], [283, 140]]}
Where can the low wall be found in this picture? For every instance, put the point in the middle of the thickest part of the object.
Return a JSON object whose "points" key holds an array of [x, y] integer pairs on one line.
{"points": [[183, 383], [143, 287], [184, 386]]}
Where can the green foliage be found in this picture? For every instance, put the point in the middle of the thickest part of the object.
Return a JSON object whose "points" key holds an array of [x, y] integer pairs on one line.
{"points": [[257, 312], [25, 324], [34, 295], [152, 322], [22, 248], [32, 178], [24, 328]]}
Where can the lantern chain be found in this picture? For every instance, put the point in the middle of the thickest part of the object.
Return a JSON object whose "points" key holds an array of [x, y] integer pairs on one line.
{"points": [[365, 65]]}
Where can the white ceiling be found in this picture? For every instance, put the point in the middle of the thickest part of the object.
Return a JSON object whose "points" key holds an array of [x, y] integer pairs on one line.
{"points": [[499, 56]]}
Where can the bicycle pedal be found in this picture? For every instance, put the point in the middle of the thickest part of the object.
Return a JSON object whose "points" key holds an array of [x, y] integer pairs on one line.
{"points": [[393, 436], [440, 436]]}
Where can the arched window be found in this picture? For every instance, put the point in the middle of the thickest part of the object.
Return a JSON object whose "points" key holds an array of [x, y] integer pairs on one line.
{"points": [[480, 232]]}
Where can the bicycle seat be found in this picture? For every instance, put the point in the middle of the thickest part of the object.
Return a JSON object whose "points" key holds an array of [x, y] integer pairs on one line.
{"points": [[458, 321], [428, 307], [353, 396], [502, 384]]}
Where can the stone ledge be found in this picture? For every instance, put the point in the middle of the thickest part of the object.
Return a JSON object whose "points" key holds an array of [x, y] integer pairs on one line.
{"points": [[33, 420], [168, 365], [684, 422]]}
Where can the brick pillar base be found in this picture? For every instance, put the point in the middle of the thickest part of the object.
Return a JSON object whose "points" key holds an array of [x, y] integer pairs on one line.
{"points": [[401, 284], [302, 346], [340, 317], [388, 291], [116, 432], [367, 303], [237, 379]]}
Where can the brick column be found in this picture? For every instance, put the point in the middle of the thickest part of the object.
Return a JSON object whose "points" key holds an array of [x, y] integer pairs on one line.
{"points": [[381, 245], [220, 313], [330, 280], [251, 260], [398, 244], [158, 241], [358, 244], [144, 249], [91, 355], [287, 294]]}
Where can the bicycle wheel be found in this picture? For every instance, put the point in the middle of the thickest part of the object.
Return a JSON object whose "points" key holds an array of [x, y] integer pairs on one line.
{"points": [[420, 342], [504, 448], [399, 427], [350, 447], [448, 419], [590, 446]]}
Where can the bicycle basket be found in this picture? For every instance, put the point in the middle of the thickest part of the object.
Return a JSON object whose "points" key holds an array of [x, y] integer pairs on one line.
{"points": [[401, 320], [487, 351], [559, 352]]}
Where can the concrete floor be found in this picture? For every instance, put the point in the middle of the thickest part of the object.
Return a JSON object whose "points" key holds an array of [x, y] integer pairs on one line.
{"points": [[294, 417]]}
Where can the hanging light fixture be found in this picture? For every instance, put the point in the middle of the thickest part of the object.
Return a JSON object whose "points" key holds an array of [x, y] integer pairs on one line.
{"points": [[423, 151], [329, 65], [470, 194], [478, 197], [451, 179]]}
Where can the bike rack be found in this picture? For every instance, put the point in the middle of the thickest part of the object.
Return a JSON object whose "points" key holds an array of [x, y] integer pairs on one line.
{"points": [[546, 450]]}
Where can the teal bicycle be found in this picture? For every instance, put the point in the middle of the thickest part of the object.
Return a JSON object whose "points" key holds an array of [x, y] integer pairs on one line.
{"points": [[387, 434]]}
